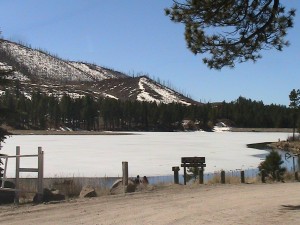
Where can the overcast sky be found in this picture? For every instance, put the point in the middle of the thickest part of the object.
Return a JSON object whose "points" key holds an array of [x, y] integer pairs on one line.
{"points": [[135, 37]]}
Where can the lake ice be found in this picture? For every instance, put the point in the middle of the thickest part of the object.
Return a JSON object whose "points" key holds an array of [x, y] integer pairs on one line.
{"points": [[147, 153]]}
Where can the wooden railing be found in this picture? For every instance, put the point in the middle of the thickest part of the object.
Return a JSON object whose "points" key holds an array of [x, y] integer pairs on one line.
{"points": [[39, 170]]}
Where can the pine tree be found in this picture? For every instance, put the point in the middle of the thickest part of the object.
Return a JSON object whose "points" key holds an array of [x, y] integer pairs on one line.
{"points": [[272, 165], [294, 105], [3, 112], [233, 30]]}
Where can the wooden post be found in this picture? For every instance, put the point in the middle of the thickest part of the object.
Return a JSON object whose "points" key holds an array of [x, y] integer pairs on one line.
{"points": [[201, 175], [40, 174], [17, 185], [222, 177], [242, 176], [277, 175], [294, 164], [184, 175], [263, 176], [176, 174], [296, 176], [125, 173]]}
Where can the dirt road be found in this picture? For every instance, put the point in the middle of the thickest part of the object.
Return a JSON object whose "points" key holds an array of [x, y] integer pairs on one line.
{"points": [[174, 204]]}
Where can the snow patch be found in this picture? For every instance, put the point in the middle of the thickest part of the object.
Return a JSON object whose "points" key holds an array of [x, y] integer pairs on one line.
{"points": [[221, 127], [167, 95], [110, 96]]}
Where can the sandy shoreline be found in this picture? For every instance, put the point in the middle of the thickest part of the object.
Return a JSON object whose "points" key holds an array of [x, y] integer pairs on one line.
{"points": [[275, 204]]}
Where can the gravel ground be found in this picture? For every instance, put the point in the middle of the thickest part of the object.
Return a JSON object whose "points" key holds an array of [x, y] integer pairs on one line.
{"points": [[257, 204]]}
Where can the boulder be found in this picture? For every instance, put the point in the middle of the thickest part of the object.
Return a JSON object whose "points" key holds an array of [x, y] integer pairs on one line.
{"points": [[49, 195], [88, 192], [7, 197], [118, 188]]}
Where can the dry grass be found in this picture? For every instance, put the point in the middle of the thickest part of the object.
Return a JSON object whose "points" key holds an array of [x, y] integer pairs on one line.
{"points": [[215, 179], [289, 176], [71, 187]]}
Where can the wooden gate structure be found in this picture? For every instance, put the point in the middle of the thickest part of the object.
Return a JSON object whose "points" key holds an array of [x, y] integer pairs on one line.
{"points": [[195, 162], [39, 170]]}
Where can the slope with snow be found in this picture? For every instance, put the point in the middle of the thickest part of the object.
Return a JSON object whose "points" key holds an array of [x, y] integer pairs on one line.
{"points": [[166, 95], [41, 65], [97, 72], [39, 71]]}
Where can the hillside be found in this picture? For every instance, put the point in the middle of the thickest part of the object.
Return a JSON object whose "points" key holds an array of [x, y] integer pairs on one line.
{"points": [[38, 70]]}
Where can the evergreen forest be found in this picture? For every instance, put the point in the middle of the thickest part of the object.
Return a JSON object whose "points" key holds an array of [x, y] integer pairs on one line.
{"points": [[41, 111]]}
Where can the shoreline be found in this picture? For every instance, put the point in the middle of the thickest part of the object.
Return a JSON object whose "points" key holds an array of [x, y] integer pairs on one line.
{"points": [[280, 130], [84, 132], [60, 132]]}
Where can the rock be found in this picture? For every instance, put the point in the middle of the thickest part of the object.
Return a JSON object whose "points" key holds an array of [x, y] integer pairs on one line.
{"points": [[131, 187], [116, 184], [88, 192], [49, 195], [118, 188], [7, 197]]}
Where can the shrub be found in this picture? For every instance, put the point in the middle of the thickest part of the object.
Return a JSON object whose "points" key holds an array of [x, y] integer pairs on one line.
{"points": [[272, 165]]}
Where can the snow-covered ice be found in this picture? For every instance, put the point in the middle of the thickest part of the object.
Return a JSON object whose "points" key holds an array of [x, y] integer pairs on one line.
{"points": [[150, 154]]}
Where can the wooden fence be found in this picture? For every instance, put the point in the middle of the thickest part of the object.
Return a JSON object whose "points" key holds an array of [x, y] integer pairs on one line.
{"points": [[39, 170]]}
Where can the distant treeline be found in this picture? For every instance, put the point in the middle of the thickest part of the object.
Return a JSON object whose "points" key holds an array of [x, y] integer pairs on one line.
{"points": [[42, 111]]}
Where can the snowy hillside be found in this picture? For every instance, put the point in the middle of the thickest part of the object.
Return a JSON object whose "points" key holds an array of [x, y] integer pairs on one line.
{"points": [[153, 92], [97, 72], [40, 65], [37, 70]]}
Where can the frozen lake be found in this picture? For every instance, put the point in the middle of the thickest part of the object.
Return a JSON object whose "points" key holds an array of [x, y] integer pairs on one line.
{"points": [[150, 154]]}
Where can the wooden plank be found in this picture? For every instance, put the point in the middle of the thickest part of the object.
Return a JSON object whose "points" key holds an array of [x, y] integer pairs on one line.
{"points": [[16, 190], [193, 165], [193, 160], [9, 189], [29, 170], [18, 156]]}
